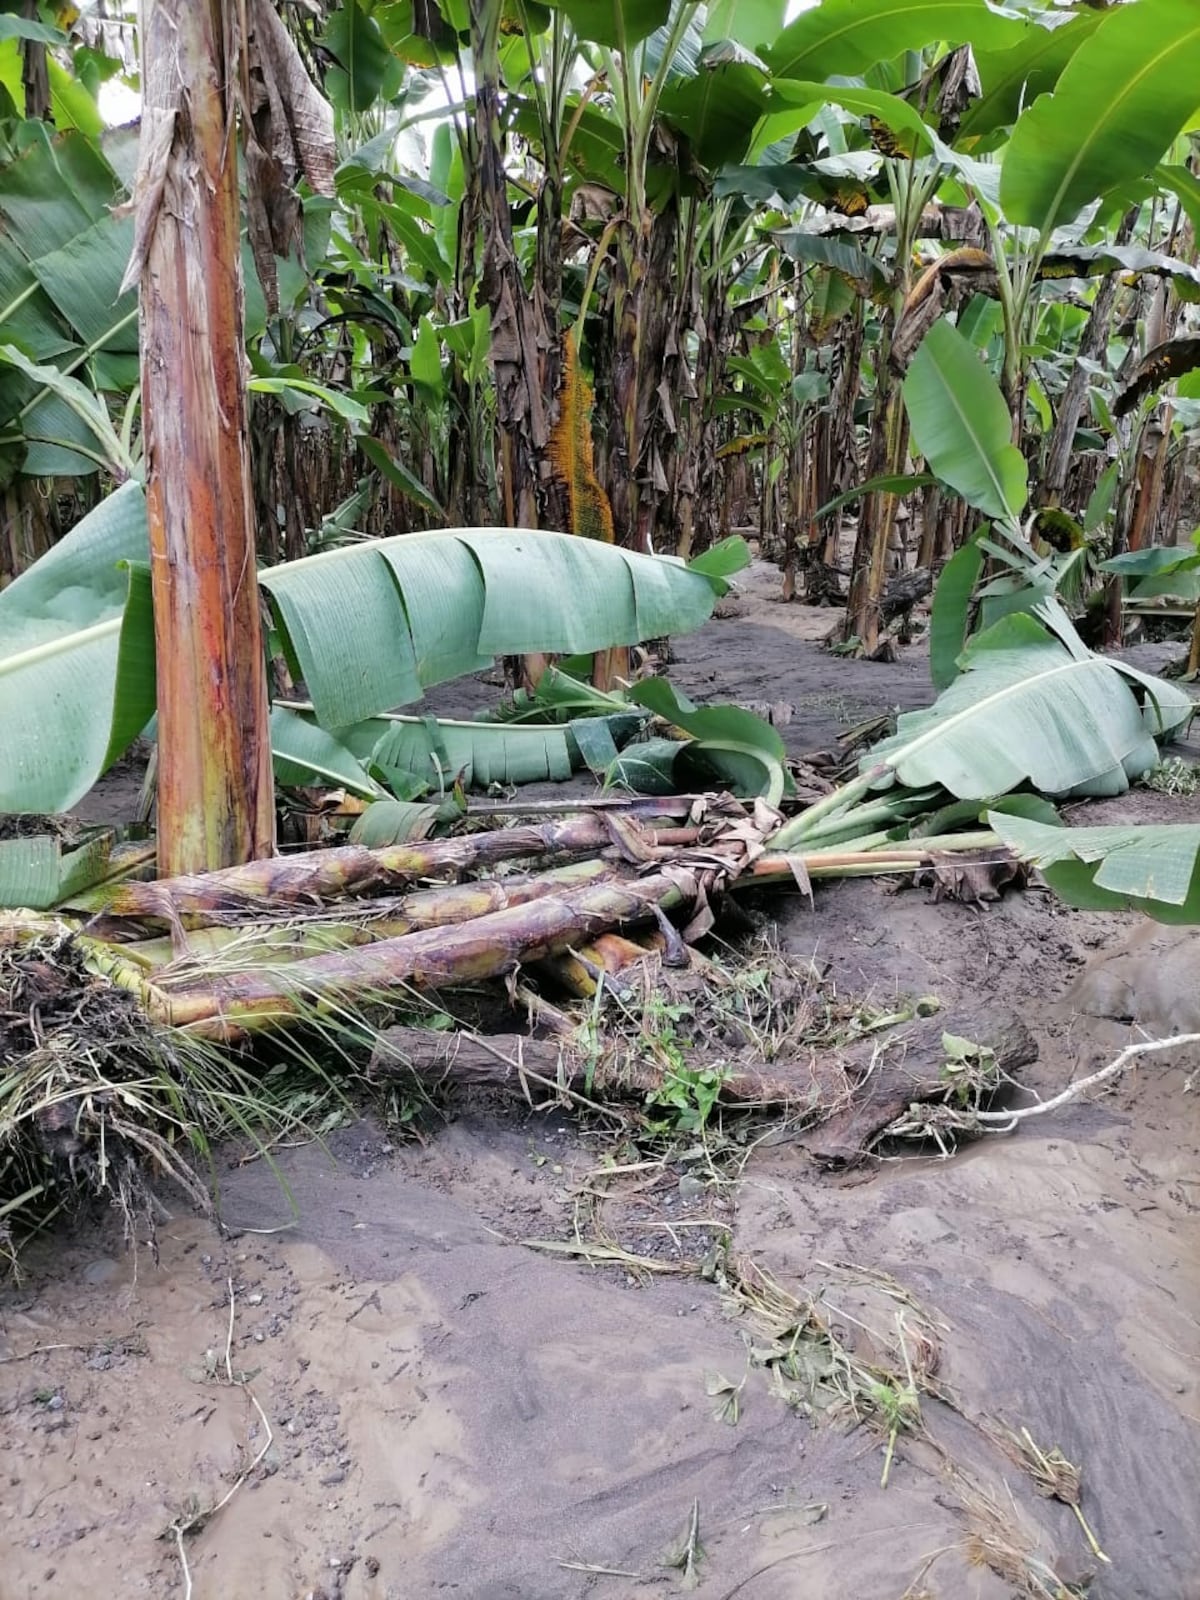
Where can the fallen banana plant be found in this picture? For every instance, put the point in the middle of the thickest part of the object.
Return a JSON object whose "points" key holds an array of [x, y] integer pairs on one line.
{"points": [[365, 628]]}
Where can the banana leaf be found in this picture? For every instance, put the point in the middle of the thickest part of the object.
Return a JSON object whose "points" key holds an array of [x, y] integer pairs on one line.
{"points": [[950, 617], [728, 743], [371, 626], [848, 37], [415, 754], [367, 627], [1015, 77], [960, 424], [398, 821], [1153, 869], [38, 871], [76, 659], [304, 755], [647, 768], [615, 23], [560, 696], [62, 256], [1035, 707], [1123, 96]]}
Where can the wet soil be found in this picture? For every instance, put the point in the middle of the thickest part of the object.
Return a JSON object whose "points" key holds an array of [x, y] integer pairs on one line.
{"points": [[453, 1410]]}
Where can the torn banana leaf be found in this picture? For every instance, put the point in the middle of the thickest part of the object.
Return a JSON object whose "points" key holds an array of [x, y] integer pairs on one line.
{"points": [[366, 627], [734, 746], [370, 626], [1032, 709], [305, 754], [40, 871], [438, 752], [1154, 869]]}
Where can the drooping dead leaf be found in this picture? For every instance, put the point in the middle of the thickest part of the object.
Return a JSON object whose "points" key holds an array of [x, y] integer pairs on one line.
{"points": [[972, 876], [287, 129], [571, 452]]}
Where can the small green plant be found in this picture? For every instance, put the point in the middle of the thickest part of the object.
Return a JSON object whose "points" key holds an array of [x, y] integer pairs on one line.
{"points": [[688, 1095], [1174, 776], [898, 1406], [969, 1071]]}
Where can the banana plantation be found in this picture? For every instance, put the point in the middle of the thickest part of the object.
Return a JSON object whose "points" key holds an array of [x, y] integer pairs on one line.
{"points": [[599, 852]]}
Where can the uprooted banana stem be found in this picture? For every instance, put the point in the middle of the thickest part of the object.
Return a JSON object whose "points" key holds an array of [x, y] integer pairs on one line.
{"points": [[347, 871], [236, 1003], [338, 927]]}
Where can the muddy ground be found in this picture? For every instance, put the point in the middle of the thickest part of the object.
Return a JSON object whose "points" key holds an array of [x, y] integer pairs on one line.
{"points": [[454, 1411]]}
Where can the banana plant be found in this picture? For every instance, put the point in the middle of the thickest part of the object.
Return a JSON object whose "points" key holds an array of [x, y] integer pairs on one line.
{"points": [[365, 628]]}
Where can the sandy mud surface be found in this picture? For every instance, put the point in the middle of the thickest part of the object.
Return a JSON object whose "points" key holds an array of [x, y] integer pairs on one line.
{"points": [[427, 1400]]}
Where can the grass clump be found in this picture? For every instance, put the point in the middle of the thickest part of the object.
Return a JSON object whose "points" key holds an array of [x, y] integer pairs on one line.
{"points": [[97, 1101]]}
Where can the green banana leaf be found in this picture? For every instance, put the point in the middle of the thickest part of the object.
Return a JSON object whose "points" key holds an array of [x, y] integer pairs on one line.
{"points": [[888, 109], [615, 23], [77, 642], [101, 445], [76, 659], [390, 822], [40, 871], [717, 109], [1034, 709], [949, 620], [62, 256], [820, 249], [1015, 77], [1123, 96], [848, 37], [1153, 869], [749, 22], [416, 754], [369, 627], [305, 755], [728, 743], [648, 767], [961, 424], [560, 696]]}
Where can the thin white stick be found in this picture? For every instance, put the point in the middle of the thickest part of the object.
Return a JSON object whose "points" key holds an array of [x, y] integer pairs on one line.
{"points": [[202, 1518], [1131, 1052]]}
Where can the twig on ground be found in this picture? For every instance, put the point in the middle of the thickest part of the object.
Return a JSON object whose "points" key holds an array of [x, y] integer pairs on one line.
{"points": [[1057, 1479], [180, 1529], [1005, 1121], [40, 1350], [597, 1572]]}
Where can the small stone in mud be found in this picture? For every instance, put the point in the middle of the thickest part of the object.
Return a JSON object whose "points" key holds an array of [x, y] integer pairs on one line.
{"points": [[336, 1476], [255, 1299], [103, 1270]]}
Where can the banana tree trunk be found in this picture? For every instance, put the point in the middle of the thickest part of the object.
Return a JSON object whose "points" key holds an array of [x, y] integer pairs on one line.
{"points": [[215, 797], [521, 410], [1092, 346], [641, 317], [230, 1006], [877, 519]]}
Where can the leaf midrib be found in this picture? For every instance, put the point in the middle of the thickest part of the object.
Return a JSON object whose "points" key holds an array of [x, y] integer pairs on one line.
{"points": [[977, 708], [1168, 49], [984, 454], [61, 644]]}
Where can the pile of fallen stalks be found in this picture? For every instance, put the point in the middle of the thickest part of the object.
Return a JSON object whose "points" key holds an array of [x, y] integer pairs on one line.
{"points": [[129, 1024]]}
